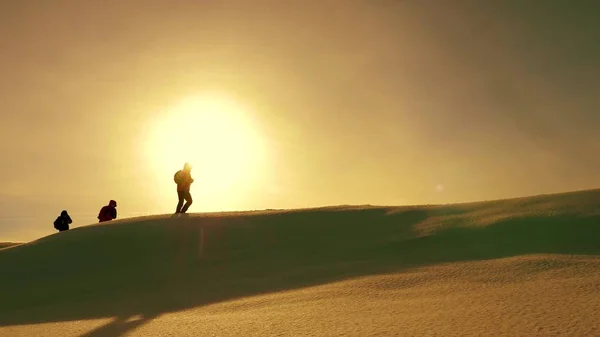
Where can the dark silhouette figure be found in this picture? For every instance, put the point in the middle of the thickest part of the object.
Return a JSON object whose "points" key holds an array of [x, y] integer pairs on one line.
{"points": [[183, 179], [108, 212], [63, 221]]}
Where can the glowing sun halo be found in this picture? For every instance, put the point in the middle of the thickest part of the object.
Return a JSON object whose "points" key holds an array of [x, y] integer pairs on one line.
{"points": [[213, 133]]}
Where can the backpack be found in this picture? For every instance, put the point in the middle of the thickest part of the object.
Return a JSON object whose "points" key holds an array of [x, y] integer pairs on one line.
{"points": [[107, 213], [177, 177], [58, 223]]}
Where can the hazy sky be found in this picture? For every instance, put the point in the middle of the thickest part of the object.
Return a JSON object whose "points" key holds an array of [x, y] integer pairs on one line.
{"points": [[348, 102]]}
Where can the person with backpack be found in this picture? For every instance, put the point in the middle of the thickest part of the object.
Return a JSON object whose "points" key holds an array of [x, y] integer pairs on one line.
{"points": [[62, 222], [183, 179], [108, 212]]}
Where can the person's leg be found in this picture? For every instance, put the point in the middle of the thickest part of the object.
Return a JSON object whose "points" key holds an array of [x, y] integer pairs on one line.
{"points": [[180, 196], [188, 202]]}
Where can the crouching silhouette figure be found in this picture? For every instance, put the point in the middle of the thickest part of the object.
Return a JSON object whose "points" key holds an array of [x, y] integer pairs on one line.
{"points": [[62, 222], [108, 212]]}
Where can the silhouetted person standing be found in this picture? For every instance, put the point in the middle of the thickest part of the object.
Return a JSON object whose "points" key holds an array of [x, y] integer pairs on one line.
{"points": [[63, 221], [183, 179], [108, 212]]}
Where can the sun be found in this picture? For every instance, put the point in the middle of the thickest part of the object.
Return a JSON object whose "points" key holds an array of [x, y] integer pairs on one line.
{"points": [[217, 135]]}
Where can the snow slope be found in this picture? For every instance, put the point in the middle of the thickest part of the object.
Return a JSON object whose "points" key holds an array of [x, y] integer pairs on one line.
{"points": [[518, 267]]}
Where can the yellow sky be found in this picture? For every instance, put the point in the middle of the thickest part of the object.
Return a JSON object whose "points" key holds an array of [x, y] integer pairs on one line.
{"points": [[337, 102]]}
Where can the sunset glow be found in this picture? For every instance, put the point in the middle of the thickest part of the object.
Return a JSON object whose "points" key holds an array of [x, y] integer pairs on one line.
{"points": [[212, 132], [285, 105]]}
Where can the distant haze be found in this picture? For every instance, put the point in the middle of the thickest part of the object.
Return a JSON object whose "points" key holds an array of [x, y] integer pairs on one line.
{"points": [[350, 102]]}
